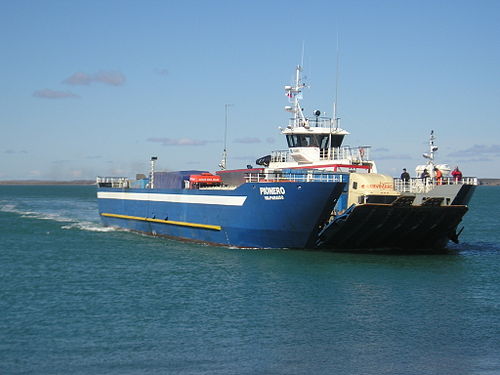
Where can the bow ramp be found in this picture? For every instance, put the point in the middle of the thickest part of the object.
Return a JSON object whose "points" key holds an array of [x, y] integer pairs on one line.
{"points": [[399, 225]]}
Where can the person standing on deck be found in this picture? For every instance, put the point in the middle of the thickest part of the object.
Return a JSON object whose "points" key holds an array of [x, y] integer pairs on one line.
{"points": [[405, 178], [439, 176], [425, 177], [457, 175]]}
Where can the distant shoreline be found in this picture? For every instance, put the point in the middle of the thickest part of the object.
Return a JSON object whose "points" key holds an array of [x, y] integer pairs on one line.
{"points": [[47, 182], [489, 181], [482, 181]]}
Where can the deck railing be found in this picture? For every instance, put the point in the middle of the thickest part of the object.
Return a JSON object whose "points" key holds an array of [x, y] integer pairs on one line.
{"points": [[313, 122], [356, 154], [281, 156], [419, 185], [309, 176], [113, 182], [352, 154]]}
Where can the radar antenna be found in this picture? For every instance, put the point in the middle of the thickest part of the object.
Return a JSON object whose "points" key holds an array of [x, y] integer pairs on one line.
{"points": [[432, 149], [294, 94]]}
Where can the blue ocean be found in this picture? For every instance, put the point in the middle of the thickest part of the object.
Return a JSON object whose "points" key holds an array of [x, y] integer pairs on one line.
{"points": [[78, 298]]}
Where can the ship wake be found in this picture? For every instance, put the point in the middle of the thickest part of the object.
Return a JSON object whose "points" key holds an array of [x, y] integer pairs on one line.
{"points": [[66, 221]]}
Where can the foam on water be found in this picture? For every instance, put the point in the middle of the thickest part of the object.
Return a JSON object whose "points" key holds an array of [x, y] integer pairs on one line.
{"points": [[73, 222], [92, 227], [33, 214]]}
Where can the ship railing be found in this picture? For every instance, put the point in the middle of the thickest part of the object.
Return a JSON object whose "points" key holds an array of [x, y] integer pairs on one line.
{"points": [[424, 185], [113, 182], [313, 122], [281, 156], [353, 154], [310, 176]]}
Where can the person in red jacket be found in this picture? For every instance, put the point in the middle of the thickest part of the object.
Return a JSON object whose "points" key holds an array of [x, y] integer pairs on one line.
{"points": [[457, 175]]}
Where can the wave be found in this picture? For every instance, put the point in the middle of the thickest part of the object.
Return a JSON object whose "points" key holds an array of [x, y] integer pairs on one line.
{"points": [[69, 223], [54, 216], [91, 227], [476, 248]]}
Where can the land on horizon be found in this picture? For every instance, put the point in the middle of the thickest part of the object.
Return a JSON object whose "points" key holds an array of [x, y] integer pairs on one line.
{"points": [[47, 182]]}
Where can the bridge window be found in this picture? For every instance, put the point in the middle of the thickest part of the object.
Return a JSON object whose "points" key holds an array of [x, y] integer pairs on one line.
{"points": [[323, 141], [303, 140], [314, 140]]}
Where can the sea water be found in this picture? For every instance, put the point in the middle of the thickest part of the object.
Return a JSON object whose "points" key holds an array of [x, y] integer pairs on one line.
{"points": [[78, 298]]}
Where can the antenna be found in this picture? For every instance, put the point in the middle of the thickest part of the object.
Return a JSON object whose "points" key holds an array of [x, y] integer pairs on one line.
{"points": [[336, 85], [335, 119], [223, 163], [302, 57]]}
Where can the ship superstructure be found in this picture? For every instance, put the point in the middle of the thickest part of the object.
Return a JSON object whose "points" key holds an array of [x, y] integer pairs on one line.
{"points": [[316, 142]]}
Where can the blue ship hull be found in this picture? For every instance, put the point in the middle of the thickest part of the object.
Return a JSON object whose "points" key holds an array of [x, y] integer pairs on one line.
{"points": [[254, 215]]}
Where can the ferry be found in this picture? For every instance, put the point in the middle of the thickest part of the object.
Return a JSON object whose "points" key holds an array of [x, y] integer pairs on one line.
{"points": [[316, 194]]}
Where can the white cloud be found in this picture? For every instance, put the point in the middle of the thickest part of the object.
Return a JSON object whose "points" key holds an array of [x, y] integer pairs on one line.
{"points": [[54, 94], [78, 78], [394, 157], [107, 77], [477, 151], [162, 72], [247, 140], [179, 141]]}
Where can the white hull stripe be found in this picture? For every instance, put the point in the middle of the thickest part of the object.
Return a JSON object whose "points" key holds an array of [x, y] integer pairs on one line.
{"points": [[175, 198]]}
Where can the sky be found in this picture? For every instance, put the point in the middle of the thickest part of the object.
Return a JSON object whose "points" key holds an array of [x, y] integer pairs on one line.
{"points": [[95, 88]]}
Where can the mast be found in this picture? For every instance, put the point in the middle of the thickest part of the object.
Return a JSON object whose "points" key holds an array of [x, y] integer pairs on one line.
{"points": [[294, 94], [432, 149], [335, 119], [223, 163]]}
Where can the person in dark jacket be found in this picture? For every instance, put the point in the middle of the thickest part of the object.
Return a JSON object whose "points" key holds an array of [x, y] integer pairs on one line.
{"points": [[405, 176]]}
